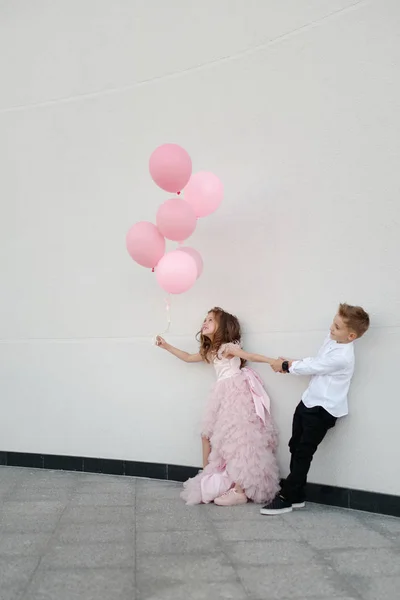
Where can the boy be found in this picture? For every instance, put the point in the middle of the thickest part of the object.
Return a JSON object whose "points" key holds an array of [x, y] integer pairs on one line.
{"points": [[323, 402]]}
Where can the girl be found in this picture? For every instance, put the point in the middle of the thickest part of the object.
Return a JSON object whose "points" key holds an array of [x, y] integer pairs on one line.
{"points": [[239, 436]]}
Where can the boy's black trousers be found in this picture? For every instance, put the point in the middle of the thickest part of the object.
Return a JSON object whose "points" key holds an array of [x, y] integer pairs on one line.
{"points": [[309, 428]]}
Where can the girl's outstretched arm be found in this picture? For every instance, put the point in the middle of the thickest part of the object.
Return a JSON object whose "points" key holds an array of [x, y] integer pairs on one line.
{"points": [[236, 350], [185, 356]]}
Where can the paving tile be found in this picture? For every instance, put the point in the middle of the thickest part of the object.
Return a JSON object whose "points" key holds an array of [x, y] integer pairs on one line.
{"points": [[148, 504], [323, 519], [175, 542], [381, 588], [98, 514], [201, 591], [169, 508], [244, 512], [322, 598], [14, 591], [153, 572], [33, 510], [101, 478], [268, 553], [154, 484], [41, 494], [82, 584], [386, 525], [345, 538], [158, 491], [368, 562], [16, 570], [91, 533], [107, 499], [89, 556], [23, 544], [277, 582], [7, 487], [28, 517], [264, 529], [108, 486], [82, 527], [12, 473], [27, 524], [41, 478], [159, 521]]}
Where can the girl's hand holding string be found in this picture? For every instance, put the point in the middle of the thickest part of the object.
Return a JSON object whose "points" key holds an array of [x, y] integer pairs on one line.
{"points": [[181, 354], [161, 343]]}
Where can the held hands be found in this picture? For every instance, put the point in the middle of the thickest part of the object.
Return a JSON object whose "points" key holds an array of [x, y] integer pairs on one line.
{"points": [[233, 349], [276, 365]]}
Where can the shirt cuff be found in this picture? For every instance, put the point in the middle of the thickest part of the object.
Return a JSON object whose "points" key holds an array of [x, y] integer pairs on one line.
{"points": [[292, 369]]}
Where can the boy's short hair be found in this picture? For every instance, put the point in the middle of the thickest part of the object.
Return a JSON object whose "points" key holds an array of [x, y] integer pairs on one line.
{"points": [[355, 318]]}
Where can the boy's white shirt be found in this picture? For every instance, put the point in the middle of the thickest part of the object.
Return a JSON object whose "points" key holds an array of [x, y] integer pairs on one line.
{"points": [[331, 371]]}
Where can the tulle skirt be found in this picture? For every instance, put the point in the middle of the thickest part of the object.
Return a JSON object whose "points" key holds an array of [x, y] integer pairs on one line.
{"points": [[242, 447]]}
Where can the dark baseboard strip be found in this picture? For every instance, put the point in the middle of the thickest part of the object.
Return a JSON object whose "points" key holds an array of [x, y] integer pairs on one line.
{"points": [[107, 466], [373, 502]]}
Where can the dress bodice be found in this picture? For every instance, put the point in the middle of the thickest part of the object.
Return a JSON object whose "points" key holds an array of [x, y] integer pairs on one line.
{"points": [[226, 367]]}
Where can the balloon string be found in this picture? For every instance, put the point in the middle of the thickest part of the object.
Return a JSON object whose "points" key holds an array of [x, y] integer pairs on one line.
{"points": [[168, 315]]}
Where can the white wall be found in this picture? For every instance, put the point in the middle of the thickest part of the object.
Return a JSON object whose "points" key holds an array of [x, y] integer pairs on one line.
{"points": [[294, 104]]}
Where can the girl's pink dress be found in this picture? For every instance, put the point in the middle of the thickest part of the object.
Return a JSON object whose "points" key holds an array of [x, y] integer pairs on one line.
{"points": [[242, 435]]}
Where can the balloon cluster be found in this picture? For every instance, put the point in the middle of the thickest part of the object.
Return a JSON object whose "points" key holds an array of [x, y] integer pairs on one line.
{"points": [[171, 169]]}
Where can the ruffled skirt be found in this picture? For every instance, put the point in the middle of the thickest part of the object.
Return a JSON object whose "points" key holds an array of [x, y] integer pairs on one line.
{"points": [[242, 447]]}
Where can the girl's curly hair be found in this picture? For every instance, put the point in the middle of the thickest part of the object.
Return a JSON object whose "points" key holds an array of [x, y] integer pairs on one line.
{"points": [[228, 330]]}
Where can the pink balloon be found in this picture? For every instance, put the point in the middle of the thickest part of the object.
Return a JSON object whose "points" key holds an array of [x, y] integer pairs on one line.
{"points": [[196, 256], [176, 219], [204, 193], [170, 167], [145, 244], [176, 272]]}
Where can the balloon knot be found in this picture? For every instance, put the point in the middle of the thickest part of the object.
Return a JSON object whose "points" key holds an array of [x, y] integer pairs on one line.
{"points": [[178, 193], [152, 270]]}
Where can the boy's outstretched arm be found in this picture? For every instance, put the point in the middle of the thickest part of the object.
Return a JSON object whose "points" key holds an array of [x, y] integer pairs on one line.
{"points": [[324, 365]]}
